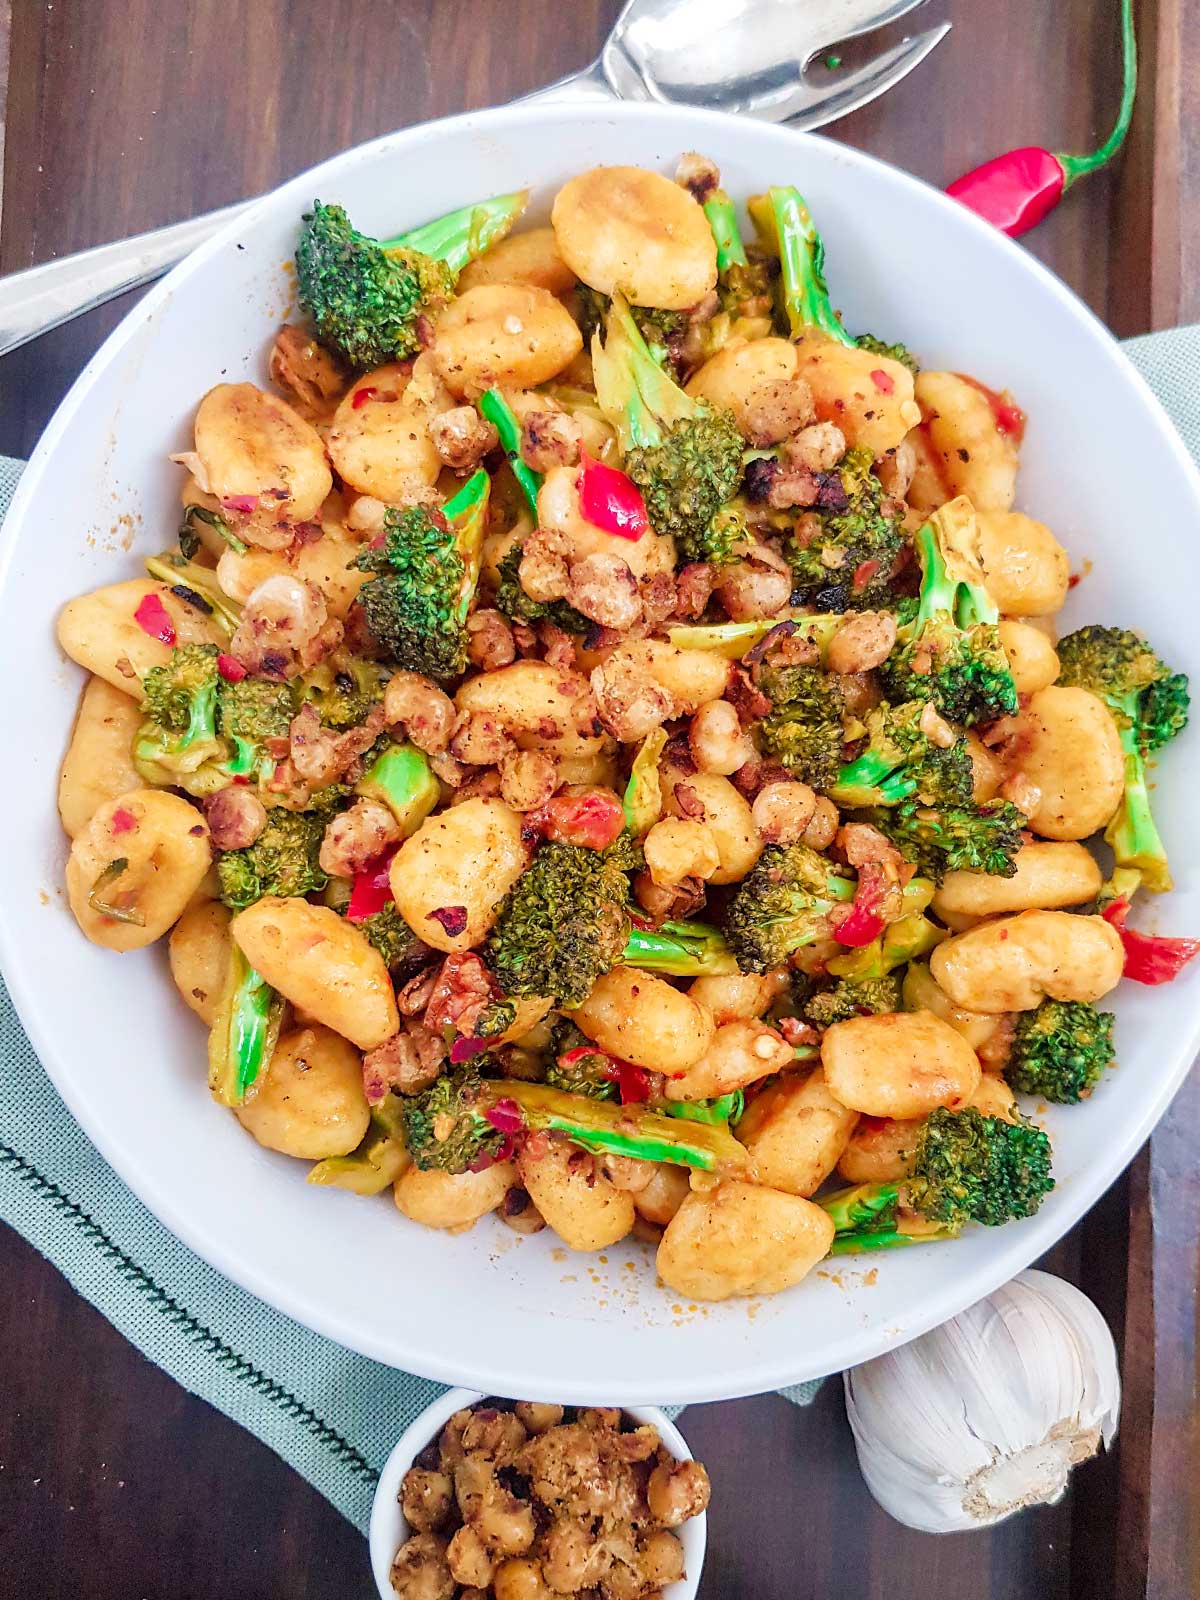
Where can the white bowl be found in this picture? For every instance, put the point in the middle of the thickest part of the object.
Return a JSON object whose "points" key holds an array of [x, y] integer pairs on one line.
{"points": [[389, 1529], [513, 1315]]}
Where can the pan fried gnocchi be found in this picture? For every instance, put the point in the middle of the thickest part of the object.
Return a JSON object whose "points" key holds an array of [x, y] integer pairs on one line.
{"points": [[601, 752]]}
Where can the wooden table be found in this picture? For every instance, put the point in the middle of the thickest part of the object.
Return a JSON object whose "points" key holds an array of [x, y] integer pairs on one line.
{"points": [[122, 114]]}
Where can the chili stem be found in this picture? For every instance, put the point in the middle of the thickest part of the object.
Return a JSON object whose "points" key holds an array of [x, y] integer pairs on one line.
{"points": [[1075, 166]]}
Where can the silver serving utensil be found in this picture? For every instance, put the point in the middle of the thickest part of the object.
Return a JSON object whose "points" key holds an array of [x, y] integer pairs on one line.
{"points": [[746, 56]]}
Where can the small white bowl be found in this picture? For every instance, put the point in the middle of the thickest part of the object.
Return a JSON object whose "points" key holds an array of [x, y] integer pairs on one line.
{"points": [[389, 1529]]}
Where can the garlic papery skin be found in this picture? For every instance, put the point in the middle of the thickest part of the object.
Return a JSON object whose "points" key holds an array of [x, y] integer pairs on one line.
{"points": [[988, 1413]]}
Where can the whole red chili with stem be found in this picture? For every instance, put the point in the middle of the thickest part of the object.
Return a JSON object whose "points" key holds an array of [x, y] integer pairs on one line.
{"points": [[1015, 191]]}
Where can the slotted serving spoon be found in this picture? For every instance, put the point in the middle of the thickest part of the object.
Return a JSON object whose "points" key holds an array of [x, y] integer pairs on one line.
{"points": [[745, 56]]}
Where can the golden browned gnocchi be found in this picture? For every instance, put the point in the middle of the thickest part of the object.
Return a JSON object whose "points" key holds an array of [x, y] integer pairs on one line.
{"points": [[586, 1211], [134, 867], [1027, 570], [900, 1064], [796, 1132], [453, 1201], [250, 443], [98, 765], [1013, 963], [530, 258], [741, 1239], [1069, 752], [740, 1052], [199, 954], [1031, 656], [1049, 875], [867, 396], [101, 632], [961, 445], [510, 335], [450, 877], [310, 1101], [380, 441], [640, 1018]]}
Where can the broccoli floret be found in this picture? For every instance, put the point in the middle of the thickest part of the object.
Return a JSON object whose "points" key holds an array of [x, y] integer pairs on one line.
{"points": [[180, 698], [684, 949], [685, 456], [564, 922], [662, 330], [850, 561], [282, 860], [365, 295], [900, 761], [443, 1129], [967, 1168], [853, 997], [803, 728], [956, 837], [1060, 1050], [512, 600], [391, 936], [251, 713], [744, 284], [1150, 706], [577, 1066], [343, 689], [894, 352], [783, 905], [950, 652], [425, 574]]}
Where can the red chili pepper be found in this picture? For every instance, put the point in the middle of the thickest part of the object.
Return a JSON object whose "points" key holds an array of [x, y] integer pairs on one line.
{"points": [[466, 1048], [243, 503], [122, 820], [864, 920], [609, 499], [882, 381], [361, 396], [152, 617], [372, 890], [863, 573], [505, 1116], [1015, 191], [1148, 957], [633, 1083], [230, 668], [1010, 419], [594, 819]]}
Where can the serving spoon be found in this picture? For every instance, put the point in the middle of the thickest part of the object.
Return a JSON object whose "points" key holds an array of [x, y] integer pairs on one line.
{"points": [[744, 56]]}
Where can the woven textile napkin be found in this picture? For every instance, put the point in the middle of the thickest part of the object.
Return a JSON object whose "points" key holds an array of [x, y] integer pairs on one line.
{"points": [[333, 1415]]}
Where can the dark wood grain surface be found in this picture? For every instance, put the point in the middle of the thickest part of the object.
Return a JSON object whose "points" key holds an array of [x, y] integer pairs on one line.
{"points": [[116, 115]]}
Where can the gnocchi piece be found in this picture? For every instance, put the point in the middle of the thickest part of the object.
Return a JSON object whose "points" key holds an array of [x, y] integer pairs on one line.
{"points": [[900, 1064], [629, 230], [880, 1150], [586, 1211], [742, 1239], [380, 445], [510, 335], [728, 379], [677, 848], [198, 950], [994, 1098], [740, 1053], [527, 700], [922, 993], [1031, 656], [738, 995], [251, 442], [730, 821], [796, 1132], [100, 631], [643, 1019], [530, 258], [1049, 875], [1014, 963], [691, 677], [1070, 751], [1028, 571], [98, 765], [453, 1201], [959, 446], [164, 845], [310, 1102], [658, 1200], [321, 963], [868, 396], [327, 562], [449, 878]]}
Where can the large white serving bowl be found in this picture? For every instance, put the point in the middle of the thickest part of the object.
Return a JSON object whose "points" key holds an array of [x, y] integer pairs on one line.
{"points": [[503, 1314]]}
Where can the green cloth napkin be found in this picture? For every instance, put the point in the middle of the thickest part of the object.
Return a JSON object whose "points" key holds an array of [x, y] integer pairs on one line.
{"points": [[333, 1415]]}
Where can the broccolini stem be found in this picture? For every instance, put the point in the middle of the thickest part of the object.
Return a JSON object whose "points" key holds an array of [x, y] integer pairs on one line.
{"points": [[245, 1032], [1133, 833], [722, 219], [466, 511], [725, 1108], [939, 591], [191, 583], [733, 639], [501, 415], [853, 1244], [461, 235], [684, 949], [865, 1205], [802, 258]]}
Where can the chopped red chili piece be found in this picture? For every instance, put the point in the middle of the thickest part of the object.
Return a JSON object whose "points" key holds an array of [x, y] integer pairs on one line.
{"points": [[610, 500], [863, 573], [505, 1116], [594, 819], [152, 617], [453, 919], [372, 890], [882, 380], [230, 668], [864, 920], [1149, 958], [361, 396], [244, 503], [122, 820]]}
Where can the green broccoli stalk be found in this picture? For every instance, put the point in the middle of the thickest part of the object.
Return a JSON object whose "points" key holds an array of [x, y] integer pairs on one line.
{"points": [[785, 223], [900, 761], [849, 561], [910, 937], [685, 457], [853, 997], [950, 652], [727, 236], [401, 779], [734, 639], [662, 330], [966, 1168], [512, 600], [197, 586], [342, 690], [803, 729], [251, 713], [365, 296], [726, 1108], [189, 539], [564, 922], [283, 860], [374, 1166], [1150, 706], [961, 837], [783, 905], [684, 949], [244, 1033], [1060, 1050], [642, 801], [425, 574], [180, 700], [496, 410]]}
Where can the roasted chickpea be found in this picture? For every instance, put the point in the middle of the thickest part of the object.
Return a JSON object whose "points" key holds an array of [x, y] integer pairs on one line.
{"points": [[677, 1491]]}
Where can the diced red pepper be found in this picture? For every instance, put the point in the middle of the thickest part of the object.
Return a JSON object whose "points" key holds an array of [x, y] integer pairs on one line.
{"points": [[594, 819], [122, 820], [882, 380], [1149, 958], [609, 499], [863, 573], [361, 396], [243, 503], [153, 618], [505, 1116], [372, 890], [1010, 419], [230, 668], [465, 1048], [865, 921]]}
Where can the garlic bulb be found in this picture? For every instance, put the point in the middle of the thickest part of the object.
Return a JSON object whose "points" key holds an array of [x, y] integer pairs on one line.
{"points": [[988, 1413]]}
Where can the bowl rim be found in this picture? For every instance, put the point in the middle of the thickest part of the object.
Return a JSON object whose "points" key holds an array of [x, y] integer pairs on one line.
{"points": [[754, 1374], [388, 1529]]}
